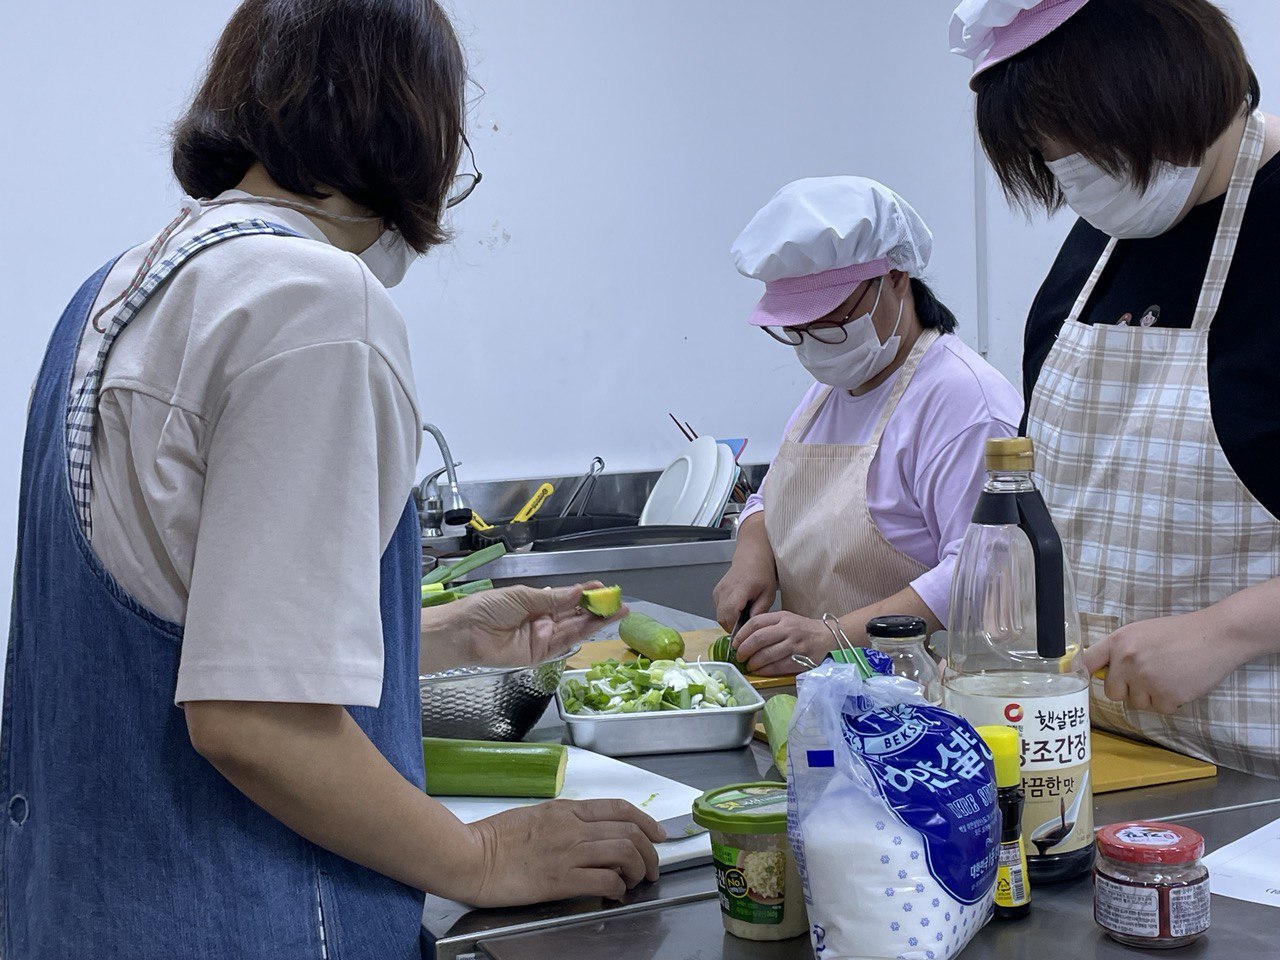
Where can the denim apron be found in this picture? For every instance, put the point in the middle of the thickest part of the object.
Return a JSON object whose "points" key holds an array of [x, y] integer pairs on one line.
{"points": [[120, 841]]}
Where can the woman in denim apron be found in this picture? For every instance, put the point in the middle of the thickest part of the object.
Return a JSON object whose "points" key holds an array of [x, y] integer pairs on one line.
{"points": [[289, 822]]}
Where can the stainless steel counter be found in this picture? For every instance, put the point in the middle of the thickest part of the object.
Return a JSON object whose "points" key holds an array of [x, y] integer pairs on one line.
{"points": [[678, 916], [1060, 926]]}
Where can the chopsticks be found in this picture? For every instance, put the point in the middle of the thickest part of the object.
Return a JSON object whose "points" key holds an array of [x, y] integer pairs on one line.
{"points": [[684, 428], [741, 489]]}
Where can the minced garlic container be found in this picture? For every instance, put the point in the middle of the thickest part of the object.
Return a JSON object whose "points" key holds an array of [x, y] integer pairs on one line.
{"points": [[761, 897]]}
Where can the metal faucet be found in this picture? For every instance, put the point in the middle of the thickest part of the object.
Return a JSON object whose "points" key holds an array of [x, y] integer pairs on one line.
{"points": [[455, 510]]}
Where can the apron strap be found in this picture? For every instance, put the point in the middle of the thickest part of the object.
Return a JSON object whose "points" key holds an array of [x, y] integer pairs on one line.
{"points": [[905, 373], [82, 409], [1237, 199], [1077, 309], [805, 420]]}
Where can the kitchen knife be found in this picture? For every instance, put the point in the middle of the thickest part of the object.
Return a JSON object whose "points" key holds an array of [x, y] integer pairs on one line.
{"points": [[681, 828]]}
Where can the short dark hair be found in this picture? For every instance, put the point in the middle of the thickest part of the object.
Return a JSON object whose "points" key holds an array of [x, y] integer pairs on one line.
{"points": [[1127, 83], [932, 313], [365, 97]]}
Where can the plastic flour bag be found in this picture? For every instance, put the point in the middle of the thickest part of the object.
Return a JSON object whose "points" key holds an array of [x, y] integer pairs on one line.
{"points": [[892, 817]]}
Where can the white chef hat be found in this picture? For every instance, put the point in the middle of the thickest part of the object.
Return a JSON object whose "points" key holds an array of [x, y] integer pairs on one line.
{"points": [[818, 238], [991, 31]]}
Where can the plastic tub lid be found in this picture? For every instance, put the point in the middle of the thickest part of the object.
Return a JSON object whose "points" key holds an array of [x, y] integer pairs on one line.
{"points": [[1150, 841], [743, 808]]}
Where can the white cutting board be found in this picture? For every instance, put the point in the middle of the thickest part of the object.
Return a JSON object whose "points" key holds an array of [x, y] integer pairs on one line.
{"points": [[591, 776]]}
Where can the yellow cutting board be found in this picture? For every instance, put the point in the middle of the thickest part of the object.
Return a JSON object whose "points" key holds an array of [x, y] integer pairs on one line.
{"points": [[697, 643], [1122, 764]]}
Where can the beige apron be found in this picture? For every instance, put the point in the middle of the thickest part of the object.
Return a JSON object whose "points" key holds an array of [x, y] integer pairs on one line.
{"points": [[831, 556], [1153, 517]]}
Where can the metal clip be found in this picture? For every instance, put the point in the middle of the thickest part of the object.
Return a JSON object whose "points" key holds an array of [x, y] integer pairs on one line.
{"points": [[843, 643]]}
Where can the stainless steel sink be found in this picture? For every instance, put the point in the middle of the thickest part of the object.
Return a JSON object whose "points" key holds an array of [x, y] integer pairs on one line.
{"points": [[680, 575]]}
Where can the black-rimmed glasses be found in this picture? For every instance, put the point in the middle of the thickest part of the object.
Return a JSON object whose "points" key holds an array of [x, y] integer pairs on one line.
{"points": [[464, 183], [824, 331]]}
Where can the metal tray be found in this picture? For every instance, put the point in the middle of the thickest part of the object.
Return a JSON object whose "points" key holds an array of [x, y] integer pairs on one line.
{"points": [[632, 734]]}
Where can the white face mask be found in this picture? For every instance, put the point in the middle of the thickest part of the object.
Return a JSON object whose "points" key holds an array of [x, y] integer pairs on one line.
{"points": [[389, 257], [848, 365], [1115, 206]]}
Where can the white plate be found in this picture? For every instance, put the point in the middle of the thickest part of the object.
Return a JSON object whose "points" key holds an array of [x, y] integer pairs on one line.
{"points": [[718, 495], [682, 490]]}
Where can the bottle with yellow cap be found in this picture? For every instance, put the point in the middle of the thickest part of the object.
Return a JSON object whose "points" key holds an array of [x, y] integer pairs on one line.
{"points": [[1013, 658], [1013, 887]]}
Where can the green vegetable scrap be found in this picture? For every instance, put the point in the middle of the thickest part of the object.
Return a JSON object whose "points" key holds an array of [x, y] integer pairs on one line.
{"points": [[435, 597], [646, 686], [449, 572], [777, 722]]}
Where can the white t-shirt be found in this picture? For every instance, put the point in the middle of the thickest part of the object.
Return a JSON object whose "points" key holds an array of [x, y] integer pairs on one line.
{"points": [[255, 445]]}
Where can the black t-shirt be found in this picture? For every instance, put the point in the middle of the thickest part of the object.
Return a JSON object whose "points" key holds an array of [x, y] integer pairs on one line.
{"points": [[1167, 272]]}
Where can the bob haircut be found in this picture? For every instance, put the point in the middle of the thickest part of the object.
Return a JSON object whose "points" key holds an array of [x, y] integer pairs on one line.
{"points": [[363, 97], [1127, 83]]}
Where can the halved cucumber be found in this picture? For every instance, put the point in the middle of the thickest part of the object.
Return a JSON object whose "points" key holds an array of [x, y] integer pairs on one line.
{"points": [[479, 768]]}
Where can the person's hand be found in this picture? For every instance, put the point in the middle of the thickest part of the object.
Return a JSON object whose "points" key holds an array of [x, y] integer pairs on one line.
{"points": [[563, 849], [507, 627], [767, 643], [514, 626], [1161, 664], [750, 580]]}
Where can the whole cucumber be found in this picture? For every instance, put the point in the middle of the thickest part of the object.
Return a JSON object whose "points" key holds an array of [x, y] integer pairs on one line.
{"points": [[649, 638]]}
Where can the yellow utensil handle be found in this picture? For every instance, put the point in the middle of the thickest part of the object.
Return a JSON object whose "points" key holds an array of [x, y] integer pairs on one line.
{"points": [[535, 502], [477, 522]]}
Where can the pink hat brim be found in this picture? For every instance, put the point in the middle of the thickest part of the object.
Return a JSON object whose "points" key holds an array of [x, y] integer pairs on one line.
{"points": [[1026, 29], [793, 301]]}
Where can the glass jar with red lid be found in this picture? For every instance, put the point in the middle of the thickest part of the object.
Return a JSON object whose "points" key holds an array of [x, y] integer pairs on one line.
{"points": [[1150, 887]]}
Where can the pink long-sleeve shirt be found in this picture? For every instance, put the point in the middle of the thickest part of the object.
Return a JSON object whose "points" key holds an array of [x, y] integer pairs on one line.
{"points": [[926, 476]]}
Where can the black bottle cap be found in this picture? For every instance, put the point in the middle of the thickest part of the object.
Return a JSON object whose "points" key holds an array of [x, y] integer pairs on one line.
{"points": [[896, 628]]}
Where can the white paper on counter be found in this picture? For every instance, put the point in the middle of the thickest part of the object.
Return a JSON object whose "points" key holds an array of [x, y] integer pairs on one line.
{"points": [[592, 776], [1249, 868]]}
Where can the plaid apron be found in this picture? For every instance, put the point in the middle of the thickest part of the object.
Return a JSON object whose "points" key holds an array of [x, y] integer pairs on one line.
{"points": [[1153, 516], [831, 556]]}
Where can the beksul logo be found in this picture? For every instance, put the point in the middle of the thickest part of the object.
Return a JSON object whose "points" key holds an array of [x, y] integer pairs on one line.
{"points": [[1013, 712]]}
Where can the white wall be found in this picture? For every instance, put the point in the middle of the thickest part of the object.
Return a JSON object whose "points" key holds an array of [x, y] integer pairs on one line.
{"points": [[589, 290]]}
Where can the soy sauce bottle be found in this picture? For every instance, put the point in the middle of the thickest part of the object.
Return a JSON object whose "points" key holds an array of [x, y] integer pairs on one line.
{"points": [[1014, 658]]}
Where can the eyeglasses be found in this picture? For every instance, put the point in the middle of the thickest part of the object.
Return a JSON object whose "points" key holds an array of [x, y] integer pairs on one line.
{"points": [[464, 183], [824, 331]]}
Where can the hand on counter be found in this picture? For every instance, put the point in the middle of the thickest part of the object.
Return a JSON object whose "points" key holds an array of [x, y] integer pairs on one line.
{"points": [[563, 849], [507, 627], [767, 643]]}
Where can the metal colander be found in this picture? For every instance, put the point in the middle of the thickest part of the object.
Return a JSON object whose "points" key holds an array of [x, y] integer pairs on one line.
{"points": [[488, 703]]}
